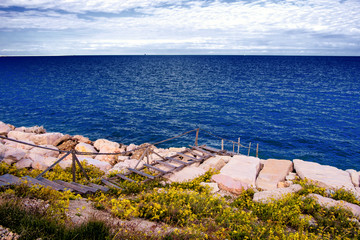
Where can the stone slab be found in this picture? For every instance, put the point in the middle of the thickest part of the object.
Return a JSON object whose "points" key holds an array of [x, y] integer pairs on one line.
{"points": [[186, 174], [276, 194], [273, 172], [229, 184]]}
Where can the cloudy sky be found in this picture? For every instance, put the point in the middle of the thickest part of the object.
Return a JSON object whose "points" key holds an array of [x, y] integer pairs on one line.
{"points": [[267, 27]]}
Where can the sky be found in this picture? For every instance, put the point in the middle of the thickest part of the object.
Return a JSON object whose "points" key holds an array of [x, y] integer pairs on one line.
{"points": [[122, 27]]}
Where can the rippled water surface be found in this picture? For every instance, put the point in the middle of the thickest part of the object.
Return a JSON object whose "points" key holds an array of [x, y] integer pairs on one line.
{"points": [[294, 107]]}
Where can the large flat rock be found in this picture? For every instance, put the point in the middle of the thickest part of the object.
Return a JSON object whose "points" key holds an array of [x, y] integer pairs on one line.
{"points": [[215, 163], [267, 196], [242, 168], [323, 175], [273, 172], [186, 174], [229, 184]]}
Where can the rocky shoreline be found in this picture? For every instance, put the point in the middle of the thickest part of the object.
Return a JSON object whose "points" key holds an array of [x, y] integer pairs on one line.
{"points": [[271, 178]]}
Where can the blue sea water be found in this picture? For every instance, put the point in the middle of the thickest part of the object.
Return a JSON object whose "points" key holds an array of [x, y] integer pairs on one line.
{"points": [[293, 107]]}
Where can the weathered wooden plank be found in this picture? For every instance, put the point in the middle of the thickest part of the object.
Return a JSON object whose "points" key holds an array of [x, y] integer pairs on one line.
{"points": [[177, 160], [166, 164], [4, 184], [72, 186], [54, 185], [125, 177], [32, 181], [99, 187], [211, 149], [110, 184], [187, 156], [10, 179], [203, 151], [196, 153], [90, 189], [155, 168], [141, 173]]}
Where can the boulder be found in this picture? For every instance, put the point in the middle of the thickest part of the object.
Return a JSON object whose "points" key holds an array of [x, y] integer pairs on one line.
{"points": [[19, 145], [35, 129], [12, 155], [138, 153], [45, 152], [21, 136], [40, 162], [4, 128], [214, 188], [185, 174], [242, 168], [101, 143], [131, 147], [215, 163], [68, 145], [62, 139], [291, 176], [46, 138], [323, 175], [276, 194], [129, 163], [83, 139], [2, 151], [229, 184], [328, 203], [103, 166], [24, 163], [66, 163], [84, 147], [354, 175], [273, 172], [112, 159]]}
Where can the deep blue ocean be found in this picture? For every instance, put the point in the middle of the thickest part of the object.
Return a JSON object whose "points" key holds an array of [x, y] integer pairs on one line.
{"points": [[293, 107]]}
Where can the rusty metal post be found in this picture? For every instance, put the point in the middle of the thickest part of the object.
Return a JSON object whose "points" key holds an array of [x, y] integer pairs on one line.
{"points": [[73, 166], [257, 150], [249, 149], [222, 144], [197, 137], [238, 146]]}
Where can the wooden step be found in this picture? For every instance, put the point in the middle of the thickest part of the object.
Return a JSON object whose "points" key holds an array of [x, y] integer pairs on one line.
{"points": [[166, 164], [211, 149], [72, 186], [193, 152], [99, 187], [155, 168], [177, 160], [203, 151], [54, 185], [187, 156], [125, 177], [110, 184], [141, 173], [10, 179], [90, 189], [33, 181]]}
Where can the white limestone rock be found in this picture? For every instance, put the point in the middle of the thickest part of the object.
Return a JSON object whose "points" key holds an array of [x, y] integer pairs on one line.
{"points": [[323, 175], [24, 163], [83, 139], [65, 163], [21, 136], [122, 166], [131, 147], [4, 128], [19, 145], [354, 175], [242, 168], [103, 166], [291, 176], [40, 162], [46, 138], [101, 143], [13, 155], [34, 129], [214, 188], [112, 159], [215, 163], [185, 174], [45, 152], [276, 194], [273, 172], [84, 147], [229, 184]]}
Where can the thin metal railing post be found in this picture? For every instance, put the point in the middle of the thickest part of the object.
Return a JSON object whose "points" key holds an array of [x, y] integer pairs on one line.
{"points": [[197, 137], [238, 146], [73, 166], [249, 149]]}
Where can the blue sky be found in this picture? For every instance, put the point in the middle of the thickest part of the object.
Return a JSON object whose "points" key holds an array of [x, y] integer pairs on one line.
{"points": [[251, 27]]}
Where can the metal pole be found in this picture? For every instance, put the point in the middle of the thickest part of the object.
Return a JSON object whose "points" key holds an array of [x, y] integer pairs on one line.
{"points": [[249, 149], [197, 137], [238, 145], [257, 150], [222, 144], [73, 166]]}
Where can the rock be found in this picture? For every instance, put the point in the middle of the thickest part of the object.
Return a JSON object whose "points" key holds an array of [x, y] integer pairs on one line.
{"points": [[138, 153], [4, 128], [19, 145], [84, 147], [66, 163], [24, 163], [229, 184], [328, 203], [215, 163], [122, 158], [276, 194], [291, 176], [83, 139], [242, 168], [131, 147], [35, 129], [173, 149], [354, 175], [122, 166], [12, 155], [323, 175], [112, 159], [21, 136], [103, 166], [68, 145], [40, 162], [101, 143], [45, 152], [46, 138], [273, 172], [2, 151], [62, 139], [185, 174], [284, 184], [214, 188]]}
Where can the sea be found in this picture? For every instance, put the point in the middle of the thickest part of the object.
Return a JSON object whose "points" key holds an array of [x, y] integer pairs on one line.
{"points": [[291, 107]]}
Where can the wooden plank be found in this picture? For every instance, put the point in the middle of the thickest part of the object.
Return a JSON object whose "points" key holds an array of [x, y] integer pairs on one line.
{"points": [[10, 179], [90, 189], [72, 186], [4, 184], [125, 177], [211, 149], [177, 160], [193, 152], [32, 181], [110, 184], [54, 185], [141, 173], [99, 187], [155, 168], [203, 151], [166, 164], [187, 156]]}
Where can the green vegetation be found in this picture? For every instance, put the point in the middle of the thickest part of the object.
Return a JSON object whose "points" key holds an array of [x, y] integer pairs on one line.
{"points": [[188, 210]]}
